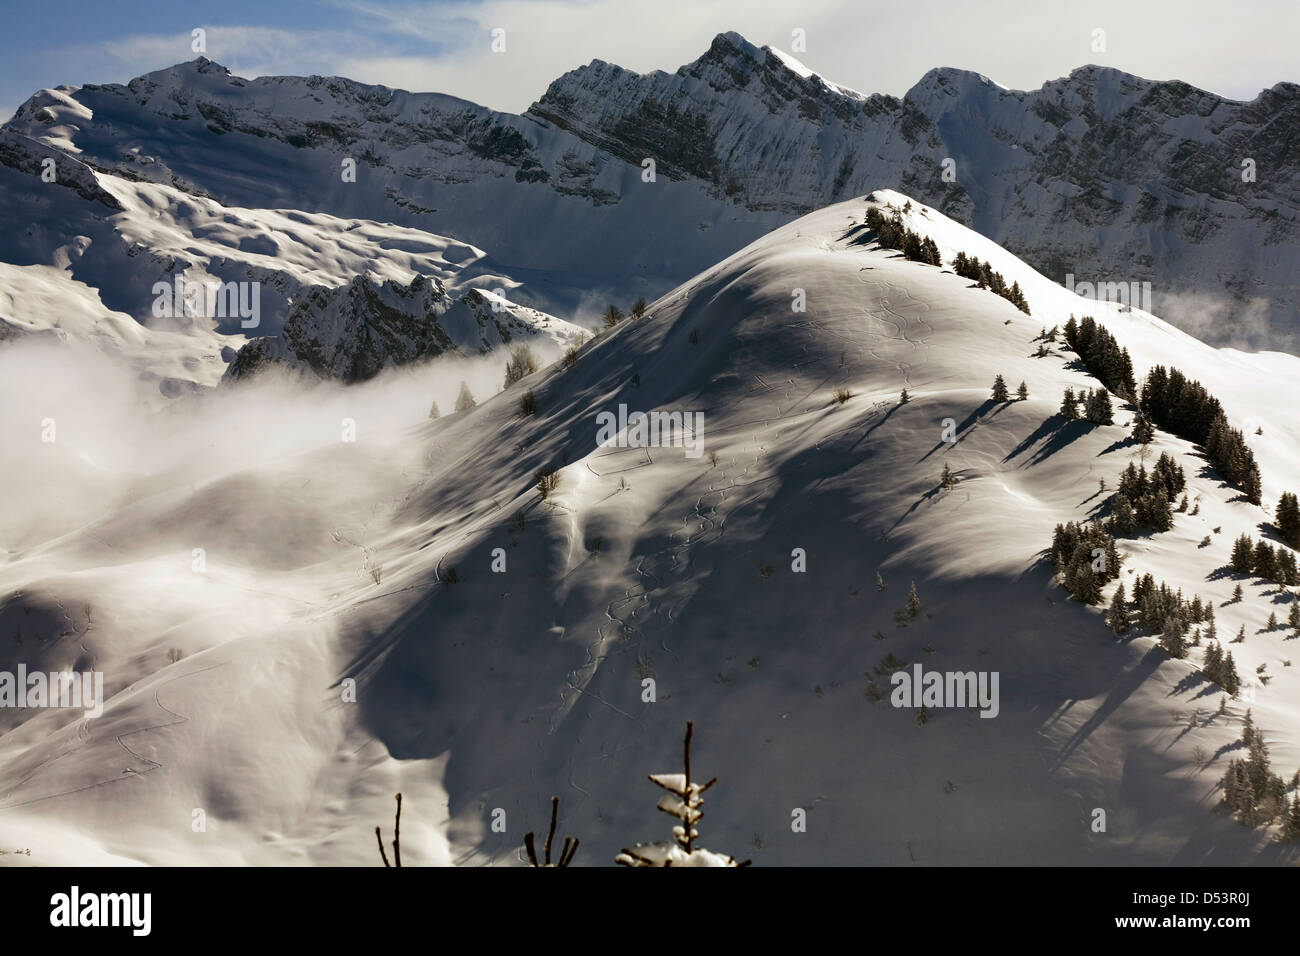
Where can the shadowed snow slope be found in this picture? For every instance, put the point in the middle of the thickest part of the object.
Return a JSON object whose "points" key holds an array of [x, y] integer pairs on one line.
{"points": [[328, 561]]}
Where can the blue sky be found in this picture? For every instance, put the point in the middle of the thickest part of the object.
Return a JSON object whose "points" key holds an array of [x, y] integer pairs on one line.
{"points": [[445, 45]]}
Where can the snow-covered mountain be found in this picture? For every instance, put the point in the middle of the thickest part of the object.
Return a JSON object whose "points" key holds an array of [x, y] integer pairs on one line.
{"points": [[292, 627], [91, 248], [353, 332], [1101, 175]]}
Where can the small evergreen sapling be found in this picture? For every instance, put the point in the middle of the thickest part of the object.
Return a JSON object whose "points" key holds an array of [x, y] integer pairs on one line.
{"points": [[683, 801], [913, 602], [566, 854]]}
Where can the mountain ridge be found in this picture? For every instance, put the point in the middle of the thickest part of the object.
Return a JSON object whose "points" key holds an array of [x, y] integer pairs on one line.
{"points": [[1099, 174]]}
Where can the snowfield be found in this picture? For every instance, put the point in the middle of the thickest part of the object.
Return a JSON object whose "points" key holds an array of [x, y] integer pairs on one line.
{"points": [[340, 632], [87, 272]]}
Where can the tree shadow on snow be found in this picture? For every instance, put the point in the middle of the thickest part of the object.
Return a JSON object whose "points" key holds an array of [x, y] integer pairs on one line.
{"points": [[1055, 433], [1125, 686], [963, 427]]}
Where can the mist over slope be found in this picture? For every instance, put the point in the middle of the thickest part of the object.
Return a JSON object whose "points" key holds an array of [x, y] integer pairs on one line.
{"points": [[326, 555]]}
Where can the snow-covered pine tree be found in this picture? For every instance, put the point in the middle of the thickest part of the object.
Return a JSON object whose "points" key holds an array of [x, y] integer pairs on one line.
{"points": [[1000, 393], [433, 411], [683, 801], [1022, 392]]}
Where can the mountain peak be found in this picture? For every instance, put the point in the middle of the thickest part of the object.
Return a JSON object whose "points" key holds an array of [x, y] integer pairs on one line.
{"points": [[950, 81], [201, 64]]}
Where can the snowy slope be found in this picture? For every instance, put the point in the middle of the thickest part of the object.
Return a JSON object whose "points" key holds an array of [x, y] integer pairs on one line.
{"points": [[91, 247], [1101, 174], [329, 560]]}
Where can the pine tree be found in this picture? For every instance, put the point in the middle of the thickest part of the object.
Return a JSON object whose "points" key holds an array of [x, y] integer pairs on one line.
{"points": [[948, 478], [1172, 639], [433, 411], [1162, 516], [1265, 564], [1117, 616], [1000, 393], [1251, 484], [1122, 519], [904, 398], [464, 400], [1098, 409], [1069, 406], [1291, 828], [1293, 619], [1288, 519], [522, 363], [1143, 431], [638, 309], [1213, 665], [1231, 682], [1272, 621], [1236, 594], [913, 602], [1022, 392], [612, 316]]}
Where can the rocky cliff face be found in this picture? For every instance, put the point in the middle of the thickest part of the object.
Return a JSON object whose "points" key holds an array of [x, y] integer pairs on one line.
{"points": [[1101, 174], [353, 332]]}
